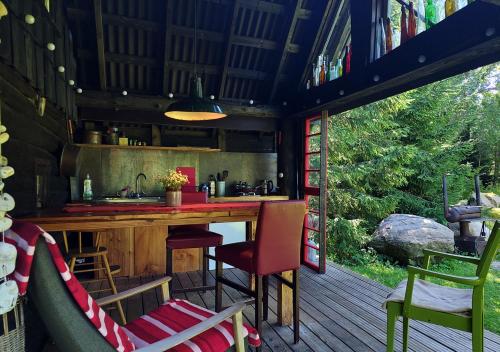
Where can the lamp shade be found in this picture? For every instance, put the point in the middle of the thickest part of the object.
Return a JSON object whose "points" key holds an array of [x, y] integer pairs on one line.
{"points": [[195, 108]]}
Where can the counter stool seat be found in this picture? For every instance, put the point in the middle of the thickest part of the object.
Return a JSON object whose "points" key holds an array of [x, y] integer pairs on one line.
{"points": [[240, 255], [192, 236]]}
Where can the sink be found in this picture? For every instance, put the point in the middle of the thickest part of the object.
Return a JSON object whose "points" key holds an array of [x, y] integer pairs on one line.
{"points": [[131, 200]]}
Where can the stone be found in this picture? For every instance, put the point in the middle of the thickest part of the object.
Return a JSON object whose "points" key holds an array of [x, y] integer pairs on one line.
{"points": [[489, 200], [404, 237]]}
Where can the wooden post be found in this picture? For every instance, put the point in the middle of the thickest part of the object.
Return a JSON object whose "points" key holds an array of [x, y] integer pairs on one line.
{"points": [[285, 300], [100, 43], [323, 196]]}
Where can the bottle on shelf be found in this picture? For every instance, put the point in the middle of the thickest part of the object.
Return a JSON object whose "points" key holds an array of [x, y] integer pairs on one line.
{"points": [[450, 6], [332, 70], [322, 73], [327, 70], [404, 25], [348, 59], [87, 188], [382, 38], [315, 77], [421, 14], [339, 68], [388, 35], [412, 21], [308, 84], [430, 14]]}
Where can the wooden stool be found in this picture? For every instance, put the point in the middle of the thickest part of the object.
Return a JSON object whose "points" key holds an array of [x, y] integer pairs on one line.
{"points": [[101, 263], [192, 236]]}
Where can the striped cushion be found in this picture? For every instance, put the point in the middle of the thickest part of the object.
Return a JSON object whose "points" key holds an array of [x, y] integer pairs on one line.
{"points": [[178, 315]]}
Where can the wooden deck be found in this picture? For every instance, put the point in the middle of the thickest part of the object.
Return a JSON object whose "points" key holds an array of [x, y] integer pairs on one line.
{"points": [[340, 311]]}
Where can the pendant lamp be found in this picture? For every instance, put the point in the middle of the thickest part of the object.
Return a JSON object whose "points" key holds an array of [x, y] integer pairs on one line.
{"points": [[195, 108]]}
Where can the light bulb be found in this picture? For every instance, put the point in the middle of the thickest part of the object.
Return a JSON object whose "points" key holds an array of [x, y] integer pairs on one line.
{"points": [[124, 93], [421, 59], [170, 95], [285, 103], [251, 101], [79, 90], [61, 69], [51, 46], [29, 19], [376, 78], [71, 82], [212, 97]]}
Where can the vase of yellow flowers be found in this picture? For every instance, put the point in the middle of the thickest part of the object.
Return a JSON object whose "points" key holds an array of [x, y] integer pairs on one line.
{"points": [[172, 181]]}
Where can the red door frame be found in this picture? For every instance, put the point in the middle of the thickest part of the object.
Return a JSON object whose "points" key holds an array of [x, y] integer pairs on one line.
{"points": [[315, 191]]}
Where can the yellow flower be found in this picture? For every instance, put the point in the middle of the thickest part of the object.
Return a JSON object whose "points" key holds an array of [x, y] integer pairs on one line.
{"points": [[173, 180]]}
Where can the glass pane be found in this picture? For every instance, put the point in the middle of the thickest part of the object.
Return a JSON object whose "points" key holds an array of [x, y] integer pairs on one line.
{"points": [[313, 179], [315, 126], [314, 161], [313, 221], [312, 255], [313, 202], [313, 143]]}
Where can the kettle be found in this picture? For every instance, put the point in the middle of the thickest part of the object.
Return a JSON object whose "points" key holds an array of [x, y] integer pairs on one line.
{"points": [[270, 186]]}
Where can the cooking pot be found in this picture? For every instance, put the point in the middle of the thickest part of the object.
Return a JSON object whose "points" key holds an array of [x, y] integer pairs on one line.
{"points": [[93, 137]]}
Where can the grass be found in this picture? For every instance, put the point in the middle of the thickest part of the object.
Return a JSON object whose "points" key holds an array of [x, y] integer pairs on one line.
{"points": [[390, 275]]}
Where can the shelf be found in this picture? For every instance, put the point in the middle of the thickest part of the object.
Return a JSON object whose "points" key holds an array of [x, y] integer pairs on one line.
{"points": [[149, 147]]}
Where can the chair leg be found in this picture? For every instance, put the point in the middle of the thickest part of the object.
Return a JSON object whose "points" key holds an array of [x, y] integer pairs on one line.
{"points": [[72, 263], [406, 323], [258, 305], [113, 288], [477, 331], [170, 269], [218, 286], [265, 297], [296, 307], [392, 316], [205, 267]]}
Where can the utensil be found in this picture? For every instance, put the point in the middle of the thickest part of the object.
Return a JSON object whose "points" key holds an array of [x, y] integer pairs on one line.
{"points": [[218, 177], [225, 174]]}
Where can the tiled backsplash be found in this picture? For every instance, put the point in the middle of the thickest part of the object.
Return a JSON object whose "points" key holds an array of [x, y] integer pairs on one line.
{"points": [[113, 169]]}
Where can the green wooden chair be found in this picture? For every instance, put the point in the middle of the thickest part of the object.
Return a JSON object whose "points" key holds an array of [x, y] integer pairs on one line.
{"points": [[457, 308]]}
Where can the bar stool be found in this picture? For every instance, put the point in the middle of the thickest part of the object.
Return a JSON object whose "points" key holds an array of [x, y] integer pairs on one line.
{"points": [[192, 236], [276, 249], [101, 263]]}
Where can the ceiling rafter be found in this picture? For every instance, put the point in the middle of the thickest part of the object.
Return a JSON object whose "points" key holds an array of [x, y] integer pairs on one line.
{"points": [[169, 9], [284, 53], [101, 58], [330, 10], [232, 26]]}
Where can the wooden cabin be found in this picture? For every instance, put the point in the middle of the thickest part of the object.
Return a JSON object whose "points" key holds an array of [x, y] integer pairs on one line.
{"points": [[90, 95]]}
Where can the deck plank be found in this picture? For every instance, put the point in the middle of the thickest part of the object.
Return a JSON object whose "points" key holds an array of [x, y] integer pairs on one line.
{"points": [[340, 311]]}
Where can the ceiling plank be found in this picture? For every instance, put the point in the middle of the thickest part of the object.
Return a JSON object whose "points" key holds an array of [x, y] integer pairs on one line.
{"points": [[115, 101], [101, 59], [227, 55], [169, 11], [284, 53], [325, 21]]}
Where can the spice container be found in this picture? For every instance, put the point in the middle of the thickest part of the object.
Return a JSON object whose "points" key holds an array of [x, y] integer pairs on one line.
{"points": [[93, 137]]}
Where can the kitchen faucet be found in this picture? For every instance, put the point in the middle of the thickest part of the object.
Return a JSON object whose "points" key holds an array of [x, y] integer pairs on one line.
{"points": [[138, 188]]}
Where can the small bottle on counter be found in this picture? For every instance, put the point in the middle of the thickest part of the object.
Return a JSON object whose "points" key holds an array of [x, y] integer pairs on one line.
{"points": [[87, 188]]}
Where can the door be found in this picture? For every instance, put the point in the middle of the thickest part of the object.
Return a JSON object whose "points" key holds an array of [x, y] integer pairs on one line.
{"points": [[315, 165]]}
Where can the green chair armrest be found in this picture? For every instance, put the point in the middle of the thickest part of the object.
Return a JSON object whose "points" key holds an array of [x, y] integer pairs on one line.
{"points": [[471, 281], [431, 253]]}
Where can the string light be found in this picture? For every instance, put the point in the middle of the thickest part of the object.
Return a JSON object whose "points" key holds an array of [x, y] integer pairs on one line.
{"points": [[79, 90], [124, 93], [61, 69], [29, 19], [51, 46], [71, 82]]}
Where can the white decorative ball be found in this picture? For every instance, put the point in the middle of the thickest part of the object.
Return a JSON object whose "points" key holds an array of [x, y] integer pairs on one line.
{"points": [[51, 46], [29, 19]]}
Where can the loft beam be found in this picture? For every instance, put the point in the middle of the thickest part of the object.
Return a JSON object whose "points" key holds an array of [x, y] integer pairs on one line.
{"points": [[101, 59], [167, 42], [227, 55]]}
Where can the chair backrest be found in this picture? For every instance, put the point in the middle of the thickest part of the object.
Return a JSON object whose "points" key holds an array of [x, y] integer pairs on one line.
{"points": [[64, 320], [278, 236], [490, 252]]}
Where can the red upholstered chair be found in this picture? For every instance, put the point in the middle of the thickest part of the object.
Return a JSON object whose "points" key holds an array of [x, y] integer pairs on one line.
{"points": [[192, 236], [276, 249]]}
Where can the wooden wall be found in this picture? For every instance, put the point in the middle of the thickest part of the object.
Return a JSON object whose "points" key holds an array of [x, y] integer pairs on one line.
{"points": [[28, 73]]}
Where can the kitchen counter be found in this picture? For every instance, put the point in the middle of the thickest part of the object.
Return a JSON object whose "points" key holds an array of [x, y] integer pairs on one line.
{"points": [[246, 199], [135, 234]]}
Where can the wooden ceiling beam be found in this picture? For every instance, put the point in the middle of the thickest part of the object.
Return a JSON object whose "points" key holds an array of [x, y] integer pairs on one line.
{"points": [[330, 10], [284, 54], [115, 101], [169, 13], [101, 59], [232, 26]]}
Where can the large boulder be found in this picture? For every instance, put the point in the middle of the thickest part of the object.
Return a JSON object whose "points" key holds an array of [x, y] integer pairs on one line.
{"points": [[404, 237]]}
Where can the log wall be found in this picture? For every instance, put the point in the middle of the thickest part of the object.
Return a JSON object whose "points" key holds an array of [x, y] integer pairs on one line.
{"points": [[28, 74]]}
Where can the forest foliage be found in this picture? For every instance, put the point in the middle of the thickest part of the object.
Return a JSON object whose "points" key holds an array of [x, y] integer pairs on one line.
{"points": [[390, 156]]}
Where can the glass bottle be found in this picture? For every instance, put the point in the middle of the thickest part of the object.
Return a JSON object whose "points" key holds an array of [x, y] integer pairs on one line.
{"points": [[388, 35], [382, 39], [327, 70], [450, 6], [332, 70], [412, 22], [339, 68], [404, 25], [430, 14], [348, 59], [322, 73]]}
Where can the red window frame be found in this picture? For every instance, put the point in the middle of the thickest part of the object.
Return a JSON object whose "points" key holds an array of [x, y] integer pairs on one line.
{"points": [[311, 190]]}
